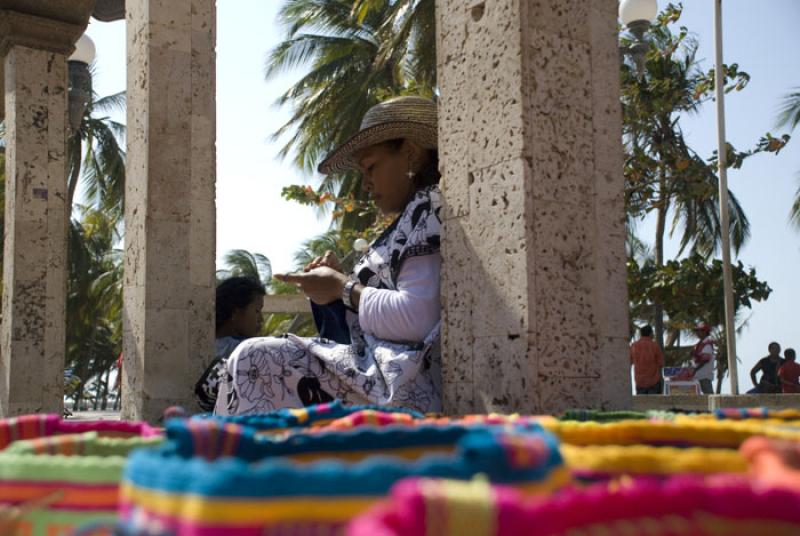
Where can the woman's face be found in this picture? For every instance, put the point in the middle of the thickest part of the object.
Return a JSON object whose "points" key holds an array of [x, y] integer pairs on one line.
{"points": [[385, 175], [247, 321]]}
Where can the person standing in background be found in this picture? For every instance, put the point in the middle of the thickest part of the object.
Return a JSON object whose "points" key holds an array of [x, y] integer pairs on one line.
{"points": [[704, 354], [789, 373], [647, 360]]}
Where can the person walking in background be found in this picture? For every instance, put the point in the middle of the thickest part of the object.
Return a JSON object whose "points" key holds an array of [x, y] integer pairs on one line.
{"points": [[789, 373], [704, 354], [768, 366], [647, 360]]}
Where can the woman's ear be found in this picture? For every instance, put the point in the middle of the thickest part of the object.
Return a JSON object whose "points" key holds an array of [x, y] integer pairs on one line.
{"points": [[412, 151]]}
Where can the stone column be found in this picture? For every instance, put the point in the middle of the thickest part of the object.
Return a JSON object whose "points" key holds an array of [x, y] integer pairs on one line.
{"points": [[534, 291], [169, 203], [32, 337]]}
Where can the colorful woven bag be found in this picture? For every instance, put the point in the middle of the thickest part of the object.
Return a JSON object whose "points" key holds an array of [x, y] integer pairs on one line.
{"points": [[53, 484], [313, 416], [607, 462], [36, 426], [682, 431], [215, 477], [729, 506]]}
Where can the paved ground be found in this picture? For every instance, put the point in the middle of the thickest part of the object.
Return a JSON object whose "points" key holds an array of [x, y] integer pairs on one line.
{"points": [[95, 416]]}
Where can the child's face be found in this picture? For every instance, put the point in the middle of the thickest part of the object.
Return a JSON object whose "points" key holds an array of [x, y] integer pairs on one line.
{"points": [[247, 322]]}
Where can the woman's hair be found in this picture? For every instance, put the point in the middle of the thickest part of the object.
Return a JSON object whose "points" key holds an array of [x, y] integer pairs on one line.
{"points": [[236, 293], [429, 174]]}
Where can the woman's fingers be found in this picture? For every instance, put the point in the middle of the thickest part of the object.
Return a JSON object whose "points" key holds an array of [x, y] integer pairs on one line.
{"points": [[331, 260], [313, 264], [290, 278]]}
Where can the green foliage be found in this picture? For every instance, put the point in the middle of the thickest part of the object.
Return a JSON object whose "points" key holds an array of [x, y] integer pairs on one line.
{"points": [[662, 173], [690, 290], [95, 160], [789, 112], [94, 296], [338, 241], [789, 117], [355, 54], [96, 157], [242, 263], [665, 177]]}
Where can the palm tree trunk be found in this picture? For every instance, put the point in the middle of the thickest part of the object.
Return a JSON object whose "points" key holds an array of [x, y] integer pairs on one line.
{"points": [[78, 398], [72, 185], [661, 225], [104, 397]]}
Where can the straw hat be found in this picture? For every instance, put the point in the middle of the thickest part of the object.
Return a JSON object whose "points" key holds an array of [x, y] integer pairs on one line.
{"points": [[411, 118]]}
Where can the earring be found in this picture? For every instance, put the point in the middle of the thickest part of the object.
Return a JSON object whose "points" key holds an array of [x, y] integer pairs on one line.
{"points": [[410, 174]]}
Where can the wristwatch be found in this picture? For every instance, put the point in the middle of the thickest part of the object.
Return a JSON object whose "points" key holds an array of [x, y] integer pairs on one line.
{"points": [[347, 294]]}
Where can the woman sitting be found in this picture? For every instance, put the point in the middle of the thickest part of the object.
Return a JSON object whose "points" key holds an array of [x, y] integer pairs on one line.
{"points": [[239, 304], [390, 300]]}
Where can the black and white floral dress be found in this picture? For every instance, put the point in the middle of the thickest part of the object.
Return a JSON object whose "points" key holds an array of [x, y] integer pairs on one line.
{"points": [[265, 374]]}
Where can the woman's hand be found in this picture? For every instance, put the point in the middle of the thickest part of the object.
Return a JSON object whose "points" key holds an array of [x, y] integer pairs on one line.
{"points": [[322, 285], [329, 259]]}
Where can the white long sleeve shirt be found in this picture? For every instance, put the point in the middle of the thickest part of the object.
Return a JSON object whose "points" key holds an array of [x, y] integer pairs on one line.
{"points": [[409, 313]]}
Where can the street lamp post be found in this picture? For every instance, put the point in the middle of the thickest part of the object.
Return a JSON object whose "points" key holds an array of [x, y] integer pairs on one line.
{"points": [[724, 218], [637, 15], [80, 80]]}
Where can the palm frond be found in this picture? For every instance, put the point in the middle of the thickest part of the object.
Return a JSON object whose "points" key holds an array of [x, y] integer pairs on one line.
{"points": [[243, 263], [789, 111]]}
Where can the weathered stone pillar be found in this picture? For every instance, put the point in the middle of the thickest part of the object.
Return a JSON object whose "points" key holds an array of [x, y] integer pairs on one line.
{"points": [[534, 292], [34, 53], [169, 203]]}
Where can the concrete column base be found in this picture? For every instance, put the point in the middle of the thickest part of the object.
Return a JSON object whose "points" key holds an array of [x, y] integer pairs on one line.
{"points": [[670, 402], [714, 402], [777, 401]]}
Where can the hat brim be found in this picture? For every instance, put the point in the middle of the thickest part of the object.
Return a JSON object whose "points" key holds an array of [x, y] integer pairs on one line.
{"points": [[343, 157]]}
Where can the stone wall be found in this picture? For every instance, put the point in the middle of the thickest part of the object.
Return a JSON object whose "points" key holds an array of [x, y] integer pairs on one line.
{"points": [[534, 294], [170, 212], [32, 336]]}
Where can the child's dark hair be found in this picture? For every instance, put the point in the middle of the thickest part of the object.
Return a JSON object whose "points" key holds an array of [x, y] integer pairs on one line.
{"points": [[790, 354], [236, 293], [429, 174], [646, 331]]}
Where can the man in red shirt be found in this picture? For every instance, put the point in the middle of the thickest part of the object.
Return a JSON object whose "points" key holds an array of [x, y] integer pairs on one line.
{"points": [[789, 373], [647, 360]]}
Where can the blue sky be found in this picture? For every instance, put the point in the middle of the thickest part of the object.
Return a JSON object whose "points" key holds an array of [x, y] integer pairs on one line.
{"points": [[761, 36]]}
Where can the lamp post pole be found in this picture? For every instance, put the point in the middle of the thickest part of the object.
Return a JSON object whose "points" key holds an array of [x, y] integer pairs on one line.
{"points": [[719, 77], [80, 80]]}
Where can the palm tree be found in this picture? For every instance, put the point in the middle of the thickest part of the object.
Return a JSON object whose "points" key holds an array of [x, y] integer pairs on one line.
{"points": [[242, 263], [316, 247], [96, 159], [663, 175], [356, 54], [789, 117], [94, 297], [408, 34], [95, 153]]}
